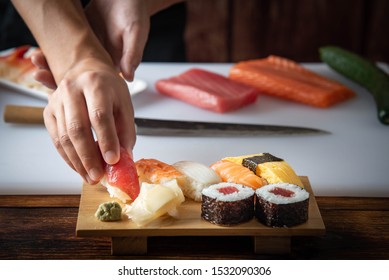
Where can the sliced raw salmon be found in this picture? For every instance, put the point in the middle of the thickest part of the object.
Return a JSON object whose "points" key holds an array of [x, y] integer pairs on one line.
{"points": [[287, 79], [207, 90], [235, 173]]}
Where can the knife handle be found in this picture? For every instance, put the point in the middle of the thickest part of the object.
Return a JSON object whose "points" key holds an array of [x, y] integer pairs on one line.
{"points": [[23, 114]]}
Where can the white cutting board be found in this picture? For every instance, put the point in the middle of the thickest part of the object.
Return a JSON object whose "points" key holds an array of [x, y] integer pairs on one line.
{"points": [[352, 161]]}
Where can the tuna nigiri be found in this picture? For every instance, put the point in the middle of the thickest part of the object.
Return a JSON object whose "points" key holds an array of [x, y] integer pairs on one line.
{"points": [[121, 179], [236, 173], [207, 90], [287, 79], [198, 176]]}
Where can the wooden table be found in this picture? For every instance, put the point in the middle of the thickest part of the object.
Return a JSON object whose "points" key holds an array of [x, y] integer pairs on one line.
{"points": [[43, 227]]}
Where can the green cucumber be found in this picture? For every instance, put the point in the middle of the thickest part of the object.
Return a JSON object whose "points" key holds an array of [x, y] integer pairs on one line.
{"points": [[363, 72]]}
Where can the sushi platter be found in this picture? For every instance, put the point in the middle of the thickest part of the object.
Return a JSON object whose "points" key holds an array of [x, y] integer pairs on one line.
{"points": [[130, 239]]}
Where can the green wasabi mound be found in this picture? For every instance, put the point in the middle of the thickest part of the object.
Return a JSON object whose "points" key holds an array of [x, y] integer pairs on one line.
{"points": [[109, 211]]}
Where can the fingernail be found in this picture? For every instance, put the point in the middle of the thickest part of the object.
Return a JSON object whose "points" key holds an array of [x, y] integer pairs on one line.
{"points": [[89, 180], [94, 174], [110, 157]]}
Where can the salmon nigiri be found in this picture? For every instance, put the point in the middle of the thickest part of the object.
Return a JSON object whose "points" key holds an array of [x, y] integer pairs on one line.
{"points": [[281, 77], [236, 173], [121, 178]]}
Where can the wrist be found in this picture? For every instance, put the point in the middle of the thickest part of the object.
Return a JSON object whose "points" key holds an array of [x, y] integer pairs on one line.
{"points": [[84, 52]]}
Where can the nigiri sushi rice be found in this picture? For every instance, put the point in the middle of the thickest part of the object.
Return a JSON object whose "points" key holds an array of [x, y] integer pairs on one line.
{"points": [[227, 204], [155, 200], [281, 205], [115, 192], [197, 177]]}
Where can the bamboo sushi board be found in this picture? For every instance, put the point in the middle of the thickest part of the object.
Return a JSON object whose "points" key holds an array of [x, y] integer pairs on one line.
{"points": [[129, 239]]}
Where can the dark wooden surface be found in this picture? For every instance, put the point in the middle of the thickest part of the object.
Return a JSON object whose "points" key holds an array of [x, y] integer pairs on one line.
{"points": [[43, 227], [234, 30]]}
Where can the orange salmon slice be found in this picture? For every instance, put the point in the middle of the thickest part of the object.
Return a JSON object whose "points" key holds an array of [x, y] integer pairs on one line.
{"points": [[235, 173], [284, 78]]}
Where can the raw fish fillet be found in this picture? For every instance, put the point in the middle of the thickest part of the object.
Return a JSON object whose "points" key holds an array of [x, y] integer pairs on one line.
{"points": [[207, 90], [235, 173], [287, 79], [121, 179]]}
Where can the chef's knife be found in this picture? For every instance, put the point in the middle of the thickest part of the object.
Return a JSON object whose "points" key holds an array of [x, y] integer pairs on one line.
{"points": [[194, 128], [157, 127]]}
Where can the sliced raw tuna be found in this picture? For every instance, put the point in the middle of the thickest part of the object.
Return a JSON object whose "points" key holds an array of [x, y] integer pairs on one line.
{"points": [[121, 178], [207, 90]]}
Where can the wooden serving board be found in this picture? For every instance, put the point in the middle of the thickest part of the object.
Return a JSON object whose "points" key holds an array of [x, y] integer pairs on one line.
{"points": [[129, 239]]}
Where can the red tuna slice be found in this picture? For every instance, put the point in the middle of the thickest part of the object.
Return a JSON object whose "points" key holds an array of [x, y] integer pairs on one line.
{"points": [[123, 175], [207, 90]]}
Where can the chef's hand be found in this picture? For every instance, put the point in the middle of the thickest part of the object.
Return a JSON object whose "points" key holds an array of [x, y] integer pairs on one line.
{"points": [[123, 28], [91, 95], [43, 73]]}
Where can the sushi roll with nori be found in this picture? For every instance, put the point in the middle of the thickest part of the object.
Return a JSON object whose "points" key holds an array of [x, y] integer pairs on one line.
{"points": [[227, 204], [281, 205]]}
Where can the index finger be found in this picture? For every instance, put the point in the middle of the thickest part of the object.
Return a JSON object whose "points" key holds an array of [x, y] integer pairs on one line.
{"points": [[79, 131], [101, 116]]}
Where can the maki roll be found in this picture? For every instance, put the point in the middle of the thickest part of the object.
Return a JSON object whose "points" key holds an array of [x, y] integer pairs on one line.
{"points": [[281, 205], [227, 204]]}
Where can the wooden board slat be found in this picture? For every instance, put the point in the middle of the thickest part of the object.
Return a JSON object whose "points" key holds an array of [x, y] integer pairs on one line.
{"points": [[188, 223]]}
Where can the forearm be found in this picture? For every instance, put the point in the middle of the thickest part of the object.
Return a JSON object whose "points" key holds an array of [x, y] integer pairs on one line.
{"points": [[62, 31]]}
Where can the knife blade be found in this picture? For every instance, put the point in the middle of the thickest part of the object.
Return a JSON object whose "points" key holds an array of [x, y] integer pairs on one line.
{"points": [[195, 128], [158, 127]]}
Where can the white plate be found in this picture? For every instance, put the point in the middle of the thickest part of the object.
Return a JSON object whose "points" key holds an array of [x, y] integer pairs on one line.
{"points": [[135, 87]]}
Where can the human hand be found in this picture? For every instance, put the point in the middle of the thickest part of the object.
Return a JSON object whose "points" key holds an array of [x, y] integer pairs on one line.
{"points": [[43, 74], [123, 28], [91, 95]]}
